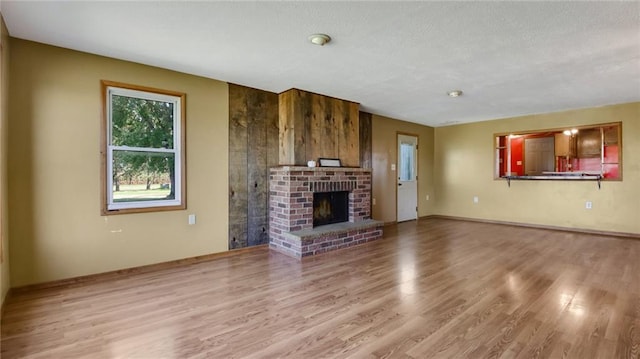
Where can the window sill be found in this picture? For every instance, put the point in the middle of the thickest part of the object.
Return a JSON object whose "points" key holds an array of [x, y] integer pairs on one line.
{"points": [[109, 212]]}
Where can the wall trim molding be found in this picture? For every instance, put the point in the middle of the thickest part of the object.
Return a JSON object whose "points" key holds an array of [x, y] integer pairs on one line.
{"points": [[538, 226], [100, 277]]}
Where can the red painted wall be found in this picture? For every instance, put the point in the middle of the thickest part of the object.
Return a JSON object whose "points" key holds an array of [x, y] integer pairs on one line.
{"points": [[611, 156], [593, 164], [517, 144]]}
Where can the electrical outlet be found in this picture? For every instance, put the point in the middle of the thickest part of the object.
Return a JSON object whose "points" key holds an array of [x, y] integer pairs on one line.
{"points": [[475, 199], [427, 197], [374, 201], [192, 219], [588, 205], [393, 166]]}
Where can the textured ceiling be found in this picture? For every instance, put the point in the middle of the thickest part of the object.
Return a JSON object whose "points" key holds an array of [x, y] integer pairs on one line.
{"points": [[396, 59]]}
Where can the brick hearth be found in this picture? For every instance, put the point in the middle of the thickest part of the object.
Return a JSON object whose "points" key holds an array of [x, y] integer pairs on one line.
{"points": [[291, 228]]}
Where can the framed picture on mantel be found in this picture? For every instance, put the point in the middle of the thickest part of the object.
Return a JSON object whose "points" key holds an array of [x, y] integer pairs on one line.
{"points": [[329, 162]]}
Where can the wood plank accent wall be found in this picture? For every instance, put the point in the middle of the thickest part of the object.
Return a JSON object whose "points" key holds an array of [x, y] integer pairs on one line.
{"points": [[326, 127], [253, 149], [314, 126], [365, 140]]}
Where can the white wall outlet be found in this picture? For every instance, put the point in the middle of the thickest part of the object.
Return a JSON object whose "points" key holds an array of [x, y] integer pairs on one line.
{"points": [[427, 197], [393, 166], [192, 219], [475, 199], [373, 201], [588, 205]]}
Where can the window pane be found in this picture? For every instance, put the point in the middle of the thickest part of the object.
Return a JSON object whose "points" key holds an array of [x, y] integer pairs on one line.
{"points": [[143, 176], [406, 162], [140, 122]]}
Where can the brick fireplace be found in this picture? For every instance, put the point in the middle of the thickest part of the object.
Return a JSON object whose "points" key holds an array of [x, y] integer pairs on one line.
{"points": [[291, 209]]}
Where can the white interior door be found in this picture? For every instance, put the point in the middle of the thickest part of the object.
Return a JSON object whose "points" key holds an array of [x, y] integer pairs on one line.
{"points": [[407, 178]]}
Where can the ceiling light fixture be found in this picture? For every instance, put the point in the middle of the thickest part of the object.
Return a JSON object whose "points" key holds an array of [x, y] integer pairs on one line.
{"points": [[319, 39], [455, 93]]}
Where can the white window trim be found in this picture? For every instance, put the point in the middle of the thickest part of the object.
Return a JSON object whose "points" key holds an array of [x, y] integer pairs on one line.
{"points": [[178, 147]]}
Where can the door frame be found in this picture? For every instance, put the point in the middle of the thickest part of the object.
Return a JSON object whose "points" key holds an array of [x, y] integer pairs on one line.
{"points": [[398, 169]]}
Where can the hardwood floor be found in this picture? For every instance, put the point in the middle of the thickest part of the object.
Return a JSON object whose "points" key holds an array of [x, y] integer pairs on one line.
{"points": [[430, 289]]}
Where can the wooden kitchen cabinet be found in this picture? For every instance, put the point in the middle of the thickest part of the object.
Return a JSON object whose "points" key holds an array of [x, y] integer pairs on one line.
{"points": [[562, 145], [589, 143]]}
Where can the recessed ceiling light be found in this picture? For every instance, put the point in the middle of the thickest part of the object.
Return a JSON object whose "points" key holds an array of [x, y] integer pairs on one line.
{"points": [[455, 93], [319, 39]]}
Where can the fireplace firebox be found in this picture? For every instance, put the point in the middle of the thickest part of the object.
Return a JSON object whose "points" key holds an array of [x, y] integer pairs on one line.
{"points": [[330, 207]]}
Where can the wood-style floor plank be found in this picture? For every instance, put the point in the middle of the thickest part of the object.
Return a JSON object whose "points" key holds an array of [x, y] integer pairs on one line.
{"points": [[433, 288]]}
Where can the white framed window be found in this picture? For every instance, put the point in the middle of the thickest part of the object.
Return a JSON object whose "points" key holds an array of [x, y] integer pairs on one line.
{"points": [[143, 149]]}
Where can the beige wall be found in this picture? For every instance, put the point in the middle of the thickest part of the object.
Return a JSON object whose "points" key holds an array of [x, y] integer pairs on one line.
{"points": [[464, 168], [384, 153], [54, 174], [4, 145], [54, 185]]}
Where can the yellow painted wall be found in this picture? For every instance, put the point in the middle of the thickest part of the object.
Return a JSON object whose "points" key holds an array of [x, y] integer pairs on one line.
{"points": [[4, 146], [54, 169], [464, 157], [385, 153]]}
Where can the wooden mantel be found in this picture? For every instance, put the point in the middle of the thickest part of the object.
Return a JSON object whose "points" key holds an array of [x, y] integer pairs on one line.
{"points": [[314, 126]]}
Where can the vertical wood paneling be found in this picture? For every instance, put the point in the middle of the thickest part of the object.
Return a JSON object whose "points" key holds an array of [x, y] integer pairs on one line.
{"points": [[302, 105], [237, 167], [303, 121], [354, 115], [335, 128], [293, 113], [365, 140], [272, 154], [341, 115], [314, 126], [256, 168], [286, 130], [265, 130], [349, 135], [322, 140], [253, 119], [272, 123]]}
